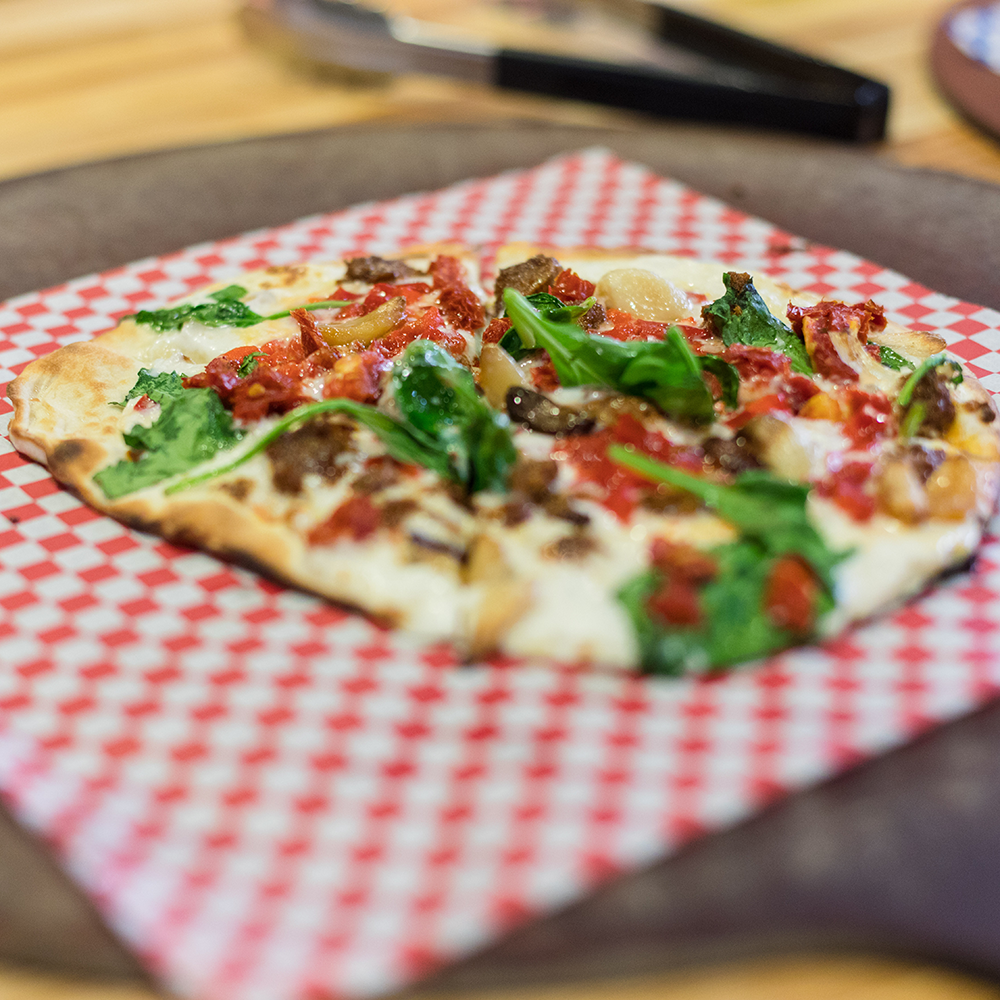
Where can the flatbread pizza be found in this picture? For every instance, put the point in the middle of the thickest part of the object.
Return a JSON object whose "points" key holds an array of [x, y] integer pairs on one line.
{"points": [[620, 458]]}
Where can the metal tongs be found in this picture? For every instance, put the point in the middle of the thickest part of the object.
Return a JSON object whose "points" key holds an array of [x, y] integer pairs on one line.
{"points": [[691, 68]]}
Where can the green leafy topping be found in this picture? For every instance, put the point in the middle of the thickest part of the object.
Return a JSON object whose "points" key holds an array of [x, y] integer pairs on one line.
{"points": [[401, 441], [438, 397], [911, 422], [742, 317], [928, 365], [225, 309], [888, 357], [447, 427], [249, 364], [666, 372], [158, 387], [550, 308], [770, 516], [191, 428]]}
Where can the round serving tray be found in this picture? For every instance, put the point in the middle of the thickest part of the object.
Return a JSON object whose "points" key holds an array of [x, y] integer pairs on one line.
{"points": [[903, 853]]}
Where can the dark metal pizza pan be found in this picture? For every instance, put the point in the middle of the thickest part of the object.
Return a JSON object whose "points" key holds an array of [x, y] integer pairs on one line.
{"points": [[900, 855]]}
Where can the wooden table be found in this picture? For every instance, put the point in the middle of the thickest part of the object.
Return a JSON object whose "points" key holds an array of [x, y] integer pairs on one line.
{"points": [[85, 81]]}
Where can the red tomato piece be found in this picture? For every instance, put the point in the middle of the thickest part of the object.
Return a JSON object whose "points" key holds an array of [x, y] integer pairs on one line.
{"points": [[459, 305], [625, 326], [676, 603], [790, 595], [357, 518], [570, 287], [494, 333], [846, 489], [356, 376], [870, 417]]}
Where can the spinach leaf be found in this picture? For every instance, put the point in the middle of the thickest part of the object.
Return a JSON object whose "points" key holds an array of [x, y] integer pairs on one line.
{"points": [[447, 427], [770, 515], [742, 317], [888, 357], [666, 372], [158, 387], [225, 309], [438, 397], [192, 426]]}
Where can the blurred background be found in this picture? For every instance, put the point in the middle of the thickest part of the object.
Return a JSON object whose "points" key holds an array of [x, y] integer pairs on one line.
{"points": [[83, 80]]}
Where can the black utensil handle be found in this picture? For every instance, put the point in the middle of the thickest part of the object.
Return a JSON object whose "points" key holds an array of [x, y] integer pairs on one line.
{"points": [[859, 115]]}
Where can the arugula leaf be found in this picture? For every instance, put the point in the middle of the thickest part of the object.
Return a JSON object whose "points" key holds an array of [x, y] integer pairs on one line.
{"points": [[666, 372], [157, 387], [192, 426], [225, 309], [438, 397], [742, 317], [888, 357], [550, 308], [770, 515]]}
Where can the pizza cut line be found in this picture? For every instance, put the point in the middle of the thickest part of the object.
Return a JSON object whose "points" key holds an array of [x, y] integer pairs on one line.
{"points": [[619, 458]]}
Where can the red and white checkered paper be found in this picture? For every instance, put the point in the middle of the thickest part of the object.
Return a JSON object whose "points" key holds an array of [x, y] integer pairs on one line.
{"points": [[270, 798]]}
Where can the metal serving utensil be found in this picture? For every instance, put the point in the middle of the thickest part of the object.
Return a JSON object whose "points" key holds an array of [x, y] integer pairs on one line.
{"points": [[689, 68]]}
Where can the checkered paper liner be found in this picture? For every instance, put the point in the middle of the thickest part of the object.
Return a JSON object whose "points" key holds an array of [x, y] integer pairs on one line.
{"points": [[271, 799]]}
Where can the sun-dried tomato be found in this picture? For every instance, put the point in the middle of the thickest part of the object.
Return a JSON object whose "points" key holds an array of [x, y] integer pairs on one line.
{"points": [[267, 390], [356, 376], [676, 602], [544, 377], [870, 417], [683, 561], [621, 488], [685, 571], [494, 333], [790, 595], [570, 287], [459, 305], [312, 339], [866, 316], [625, 326], [757, 364], [429, 325], [220, 373], [846, 488], [357, 519]]}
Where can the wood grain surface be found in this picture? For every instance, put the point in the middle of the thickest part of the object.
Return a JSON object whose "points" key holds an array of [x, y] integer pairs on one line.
{"points": [[82, 81]]}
